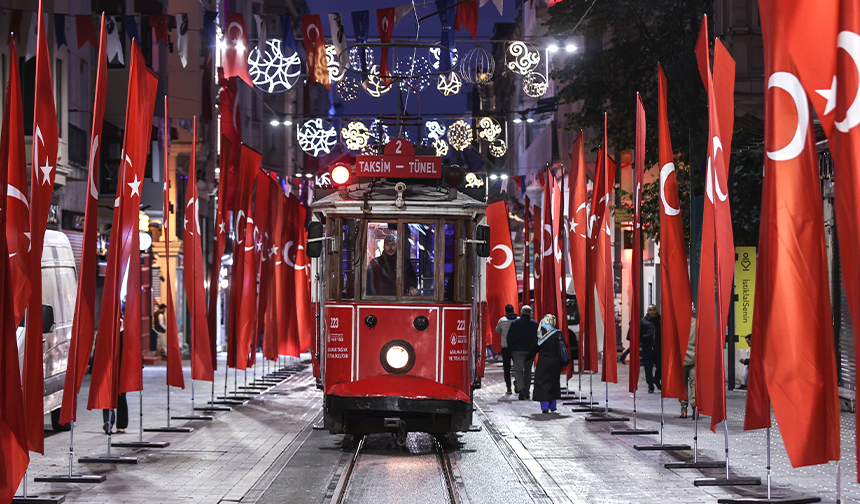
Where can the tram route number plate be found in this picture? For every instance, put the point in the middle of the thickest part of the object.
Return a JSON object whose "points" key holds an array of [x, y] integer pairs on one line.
{"points": [[399, 161]]}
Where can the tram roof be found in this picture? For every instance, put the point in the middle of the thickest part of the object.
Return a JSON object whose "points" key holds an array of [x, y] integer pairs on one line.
{"points": [[419, 200]]}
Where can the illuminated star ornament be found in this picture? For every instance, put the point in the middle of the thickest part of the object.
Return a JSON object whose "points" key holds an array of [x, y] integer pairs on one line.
{"points": [[271, 71], [348, 88], [317, 137], [460, 135]]}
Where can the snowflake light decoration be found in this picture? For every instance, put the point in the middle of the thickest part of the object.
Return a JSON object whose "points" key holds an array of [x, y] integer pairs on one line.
{"points": [[520, 60], [348, 88], [335, 71], [450, 85], [436, 56], [413, 73], [317, 136], [489, 129], [441, 147], [534, 84], [374, 85], [435, 129], [271, 71], [460, 135], [355, 135], [355, 57], [498, 147]]}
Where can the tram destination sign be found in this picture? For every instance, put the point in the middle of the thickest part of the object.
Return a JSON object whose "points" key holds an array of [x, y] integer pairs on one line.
{"points": [[399, 161]]}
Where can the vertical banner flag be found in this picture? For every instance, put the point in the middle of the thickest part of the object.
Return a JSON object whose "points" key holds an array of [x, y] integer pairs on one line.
{"points": [[467, 15], [338, 37], [235, 57], [159, 28], [182, 36], [14, 457], [302, 265], [385, 23], [45, 140], [674, 277], [605, 285], [60, 30], [114, 45], [578, 243], [83, 325], [17, 201], [246, 325], [446, 16], [288, 341], [231, 129], [527, 276], [262, 218], [792, 236], [86, 30], [537, 231], [315, 51], [549, 247], [174, 357], [201, 354], [501, 270], [106, 383], [360, 21], [220, 240], [636, 261], [208, 65], [275, 293], [288, 37]]}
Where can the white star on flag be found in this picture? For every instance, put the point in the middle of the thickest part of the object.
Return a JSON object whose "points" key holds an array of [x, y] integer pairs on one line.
{"points": [[221, 228], [46, 172], [830, 96], [135, 186]]}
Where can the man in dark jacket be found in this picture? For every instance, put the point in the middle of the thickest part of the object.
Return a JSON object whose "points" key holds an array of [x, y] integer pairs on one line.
{"points": [[502, 327], [521, 336], [649, 343]]}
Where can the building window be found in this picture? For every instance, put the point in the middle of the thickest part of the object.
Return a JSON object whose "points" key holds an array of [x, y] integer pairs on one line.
{"points": [[77, 146], [58, 92]]}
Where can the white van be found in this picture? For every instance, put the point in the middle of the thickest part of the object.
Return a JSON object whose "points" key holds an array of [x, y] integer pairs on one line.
{"points": [[59, 290]]}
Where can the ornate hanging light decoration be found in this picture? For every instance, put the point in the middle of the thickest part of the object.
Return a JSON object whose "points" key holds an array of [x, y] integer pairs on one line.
{"points": [[348, 88], [449, 85], [335, 71], [498, 147], [477, 66], [519, 59], [355, 135], [441, 147], [436, 56], [271, 71], [316, 136], [355, 57], [489, 129], [435, 129], [414, 73], [534, 84], [374, 85], [460, 135]]}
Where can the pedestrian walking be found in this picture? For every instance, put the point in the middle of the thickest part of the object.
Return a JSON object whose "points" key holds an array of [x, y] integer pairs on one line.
{"points": [[689, 369], [521, 336], [502, 327], [547, 387], [120, 416], [649, 344], [746, 363]]}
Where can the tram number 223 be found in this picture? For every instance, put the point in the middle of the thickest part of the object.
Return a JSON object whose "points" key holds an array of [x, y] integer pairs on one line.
{"points": [[334, 323], [461, 325]]}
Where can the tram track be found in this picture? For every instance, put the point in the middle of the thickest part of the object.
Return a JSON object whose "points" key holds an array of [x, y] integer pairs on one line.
{"points": [[374, 457]]}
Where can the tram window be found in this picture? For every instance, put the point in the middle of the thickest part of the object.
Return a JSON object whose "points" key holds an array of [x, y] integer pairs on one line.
{"points": [[382, 258], [419, 265], [348, 257], [450, 256]]}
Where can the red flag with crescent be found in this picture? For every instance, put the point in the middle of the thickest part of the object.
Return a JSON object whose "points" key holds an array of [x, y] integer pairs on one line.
{"points": [[501, 269], [231, 130], [107, 382], [677, 310], [174, 356], [550, 255], [277, 208], [467, 15], [220, 242], [302, 265], [315, 51], [636, 261], [234, 59], [527, 277], [385, 24], [288, 341], [45, 142], [537, 231], [83, 325], [14, 457], [577, 235]]}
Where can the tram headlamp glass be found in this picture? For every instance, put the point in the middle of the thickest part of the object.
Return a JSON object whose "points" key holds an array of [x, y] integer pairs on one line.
{"points": [[397, 357], [340, 174]]}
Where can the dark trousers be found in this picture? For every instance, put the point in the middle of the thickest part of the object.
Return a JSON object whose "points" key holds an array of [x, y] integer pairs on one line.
{"points": [[121, 415], [507, 359], [651, 361]]}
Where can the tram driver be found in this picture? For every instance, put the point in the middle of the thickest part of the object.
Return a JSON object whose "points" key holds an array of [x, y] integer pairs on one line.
{"points": [[382, 272]]}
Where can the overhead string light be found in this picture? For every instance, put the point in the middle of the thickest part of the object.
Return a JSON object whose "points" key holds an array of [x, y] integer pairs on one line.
{"points": [[414, 73], [348, 88]]}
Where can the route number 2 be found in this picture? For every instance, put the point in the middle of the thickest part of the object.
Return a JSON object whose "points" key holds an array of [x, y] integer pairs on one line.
{"points": [[399, 147]]}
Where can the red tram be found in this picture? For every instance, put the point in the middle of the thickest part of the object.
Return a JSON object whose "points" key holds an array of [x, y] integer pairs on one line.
{"points": [[397, 241]]}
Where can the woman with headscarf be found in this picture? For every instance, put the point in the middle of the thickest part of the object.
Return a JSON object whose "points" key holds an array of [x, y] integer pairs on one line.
{"points": [[547, 387]]}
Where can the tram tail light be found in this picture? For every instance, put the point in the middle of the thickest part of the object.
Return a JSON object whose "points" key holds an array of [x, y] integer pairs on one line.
{"points": [[340, 175]]}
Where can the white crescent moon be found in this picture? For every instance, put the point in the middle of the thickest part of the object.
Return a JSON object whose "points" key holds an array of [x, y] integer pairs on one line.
{"points": [[557, 249], [235, 112], [582, 207], [790, 84], [536, 266], [718, 146], [14, 192], [237, 25], [850, 43], [240, 235], [385, 25], [93, 150], [509, 256], [667, 169], [547, 252], [297, 267], [313, 27], [287, 254]]}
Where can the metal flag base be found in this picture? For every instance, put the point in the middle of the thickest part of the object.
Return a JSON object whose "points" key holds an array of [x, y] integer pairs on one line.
{"points": [[107, 460], [703, 464], [193, 417], [231, 402], [75, 478], [235, 397], [38, 500], [735, 481], [765, 500], [665, 447], [475, 428], [605, 417], [632, 432], [141, 444], [169, 429], [252, 388], [213, 408]]}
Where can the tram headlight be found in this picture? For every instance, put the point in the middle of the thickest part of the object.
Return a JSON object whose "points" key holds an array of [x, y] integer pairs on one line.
{"points": [[340, 174], [397, 356]]}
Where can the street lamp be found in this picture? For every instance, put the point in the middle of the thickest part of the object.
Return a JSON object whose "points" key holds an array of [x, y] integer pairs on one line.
{"points": [[570, 48]]}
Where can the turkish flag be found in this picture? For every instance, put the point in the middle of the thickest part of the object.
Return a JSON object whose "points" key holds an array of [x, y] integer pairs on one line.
{"points": [[385, 24], [159, 28], [578, 243], [602, 266], [220, 242], [18, 206], [551, 293], [275, 264], [304, 314], [636, 261], [234, 60], [231, 130], [315, 51], [537, 231], [288, 341], [83, 325], [263, 219], [174, 357], [123, 256], [674, 277], [527, 277], [45, 140], [13, 432], [501, 269], [201, 353], [467, 15]]}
